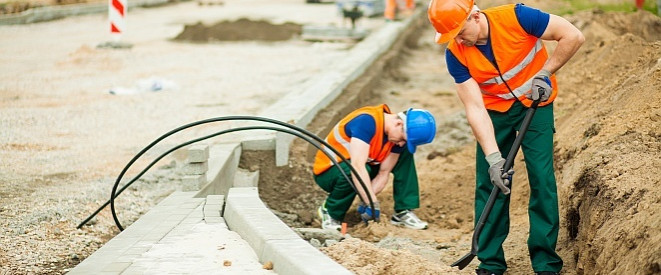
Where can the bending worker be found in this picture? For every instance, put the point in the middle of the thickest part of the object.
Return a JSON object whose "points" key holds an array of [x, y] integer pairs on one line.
{"points": [[499, 63], [373, 139]]}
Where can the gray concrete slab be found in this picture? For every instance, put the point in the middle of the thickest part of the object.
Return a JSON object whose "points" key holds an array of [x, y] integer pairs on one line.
{"points": [[198, 242], [246, 214], [271, 239], [299, 257]]}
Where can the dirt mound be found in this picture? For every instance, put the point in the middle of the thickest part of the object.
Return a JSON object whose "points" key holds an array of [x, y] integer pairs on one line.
{"points": [[597, 23], [608, 144], [366, 258], [239, 30]]}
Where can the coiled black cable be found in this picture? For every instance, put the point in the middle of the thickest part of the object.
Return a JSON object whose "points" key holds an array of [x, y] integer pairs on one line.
{"points": [[116, 193]]}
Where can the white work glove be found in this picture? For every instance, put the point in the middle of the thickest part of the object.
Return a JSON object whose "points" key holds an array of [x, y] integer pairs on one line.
{"points": [[498, 177], [541, 87]]}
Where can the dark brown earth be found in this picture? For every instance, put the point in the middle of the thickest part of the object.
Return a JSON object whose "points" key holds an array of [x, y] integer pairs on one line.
{"points": [[240, 30]]}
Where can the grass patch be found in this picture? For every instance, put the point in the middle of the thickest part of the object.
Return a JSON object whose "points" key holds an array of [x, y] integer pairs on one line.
{"points": [[626, 6]]}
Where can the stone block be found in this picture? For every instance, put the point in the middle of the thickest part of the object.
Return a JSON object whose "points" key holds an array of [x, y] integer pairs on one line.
{"points": [[245, 178], [198, 153], [198, 168]]}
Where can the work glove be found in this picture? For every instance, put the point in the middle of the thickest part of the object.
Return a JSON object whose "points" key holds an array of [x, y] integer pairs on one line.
{"points": [[499, 178], [366, 211], [361, 208], [541, 87]]}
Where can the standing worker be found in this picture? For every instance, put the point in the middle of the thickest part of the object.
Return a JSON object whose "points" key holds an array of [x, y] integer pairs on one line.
{"points": [[373, 139], [499, 65], [392, 6]]}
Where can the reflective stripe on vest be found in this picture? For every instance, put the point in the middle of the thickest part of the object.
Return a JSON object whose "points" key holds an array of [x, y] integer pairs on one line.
{"points": [[519, 56], [379, 149], [340, 140], [519, 67]]}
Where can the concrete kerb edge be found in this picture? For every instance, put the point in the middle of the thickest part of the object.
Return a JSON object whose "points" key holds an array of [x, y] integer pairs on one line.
{"points": [[271, 239]]}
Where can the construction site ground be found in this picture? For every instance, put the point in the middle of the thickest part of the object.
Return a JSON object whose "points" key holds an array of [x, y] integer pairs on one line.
{"points": [[64, 137]]}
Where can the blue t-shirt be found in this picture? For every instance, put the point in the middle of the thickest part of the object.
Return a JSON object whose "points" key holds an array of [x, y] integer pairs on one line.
{"points": [[532, 20], [363, 127]]}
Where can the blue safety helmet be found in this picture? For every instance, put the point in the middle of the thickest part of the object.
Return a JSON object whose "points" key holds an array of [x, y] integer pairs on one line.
{"points": [[419, 126]]}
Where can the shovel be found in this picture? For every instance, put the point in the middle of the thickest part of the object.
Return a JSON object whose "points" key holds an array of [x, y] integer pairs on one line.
{"points": [[466, 259]]}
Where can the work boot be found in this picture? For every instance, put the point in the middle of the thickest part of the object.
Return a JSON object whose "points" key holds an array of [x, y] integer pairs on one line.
{"points": [[481, 271], [547, 273], [327, 222], [408, 219]]}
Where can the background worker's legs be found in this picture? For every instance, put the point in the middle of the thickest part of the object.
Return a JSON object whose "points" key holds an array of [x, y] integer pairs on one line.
{"points": [[543, 207], [406, 192], [410, 4], [390, 9], [392, 6]]}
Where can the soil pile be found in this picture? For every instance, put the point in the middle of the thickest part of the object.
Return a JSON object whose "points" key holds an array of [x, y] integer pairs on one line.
{"points": [[608, 144], [380, 261], [239, 30]]}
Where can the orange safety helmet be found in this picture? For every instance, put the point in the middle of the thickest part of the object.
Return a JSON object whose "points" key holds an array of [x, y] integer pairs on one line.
{"points": [[448, 17]]}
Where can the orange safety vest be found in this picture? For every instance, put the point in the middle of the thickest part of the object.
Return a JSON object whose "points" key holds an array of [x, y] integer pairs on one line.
{"points": [[340, 141], [519, 57]]}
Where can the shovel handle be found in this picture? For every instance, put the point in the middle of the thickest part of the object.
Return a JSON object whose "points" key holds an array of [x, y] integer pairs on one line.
{"points": [[509, 162]]}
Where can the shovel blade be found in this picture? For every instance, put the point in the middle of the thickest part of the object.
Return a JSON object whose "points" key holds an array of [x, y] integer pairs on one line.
{"points": [[464, 261]]}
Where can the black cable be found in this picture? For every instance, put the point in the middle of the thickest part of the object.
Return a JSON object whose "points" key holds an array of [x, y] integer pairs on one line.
{"points": [[206, 137], [113, 195]]}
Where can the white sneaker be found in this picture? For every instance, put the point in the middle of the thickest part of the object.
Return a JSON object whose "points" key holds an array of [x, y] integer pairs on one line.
{"points": [[326, 221], [408, 219]]}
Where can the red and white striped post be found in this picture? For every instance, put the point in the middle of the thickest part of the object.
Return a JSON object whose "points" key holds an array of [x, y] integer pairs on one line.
{"points": [[117, 16]]}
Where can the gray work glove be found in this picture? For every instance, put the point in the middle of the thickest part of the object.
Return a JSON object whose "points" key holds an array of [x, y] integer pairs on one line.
{"points": [[541, 87], [498, 177]]}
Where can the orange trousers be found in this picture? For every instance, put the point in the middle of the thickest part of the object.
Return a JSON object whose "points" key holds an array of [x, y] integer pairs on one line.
{"points": [[392, 5]]}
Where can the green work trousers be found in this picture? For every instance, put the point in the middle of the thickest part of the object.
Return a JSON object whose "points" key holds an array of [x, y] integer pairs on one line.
{"points": [[341, 194], [537, 147]]}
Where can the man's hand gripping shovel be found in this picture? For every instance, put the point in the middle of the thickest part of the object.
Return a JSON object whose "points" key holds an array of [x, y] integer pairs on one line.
{"points": [[465, 260]]}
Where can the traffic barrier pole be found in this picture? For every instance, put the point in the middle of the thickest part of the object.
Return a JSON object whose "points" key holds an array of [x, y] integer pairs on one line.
{"points": [[117, 16]]}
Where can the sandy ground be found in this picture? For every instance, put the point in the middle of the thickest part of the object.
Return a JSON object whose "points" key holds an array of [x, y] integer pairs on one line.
{"points": [[64, 138]]}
